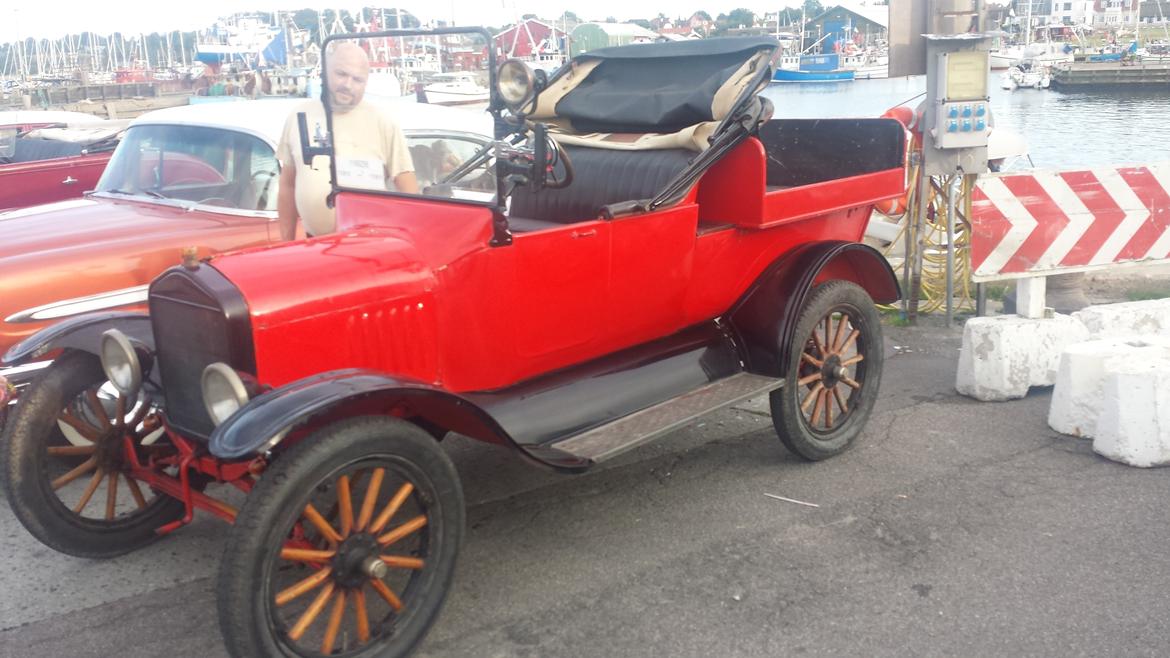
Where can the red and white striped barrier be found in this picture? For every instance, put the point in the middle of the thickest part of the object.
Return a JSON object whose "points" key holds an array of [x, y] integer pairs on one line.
{"points": [[1038, 223]]}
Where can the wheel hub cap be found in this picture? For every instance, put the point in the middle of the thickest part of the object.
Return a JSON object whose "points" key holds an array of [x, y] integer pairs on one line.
{"points": [[357, 561]]}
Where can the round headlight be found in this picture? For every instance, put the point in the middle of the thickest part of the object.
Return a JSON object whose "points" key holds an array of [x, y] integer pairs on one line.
{"points": [[223, 392], [515, 83], [120, 362]]}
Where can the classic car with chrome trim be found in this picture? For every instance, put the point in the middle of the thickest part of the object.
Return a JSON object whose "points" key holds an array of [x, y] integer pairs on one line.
{"points": [[202, 177], [657, 247]]}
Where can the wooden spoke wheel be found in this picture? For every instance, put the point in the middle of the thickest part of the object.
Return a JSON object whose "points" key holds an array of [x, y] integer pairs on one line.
{"points": [[346, 546], [835, 365], [78, 497]]}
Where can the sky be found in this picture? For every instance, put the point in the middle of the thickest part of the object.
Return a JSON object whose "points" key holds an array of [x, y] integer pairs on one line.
{"points": [[55, 19]]}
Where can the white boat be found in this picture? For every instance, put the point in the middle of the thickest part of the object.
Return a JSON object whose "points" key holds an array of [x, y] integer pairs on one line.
{"points": [[455, 89], [1028, 75]]}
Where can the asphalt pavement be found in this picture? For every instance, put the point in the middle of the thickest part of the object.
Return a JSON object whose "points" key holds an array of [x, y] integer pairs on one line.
{"points": [[953, 528]]}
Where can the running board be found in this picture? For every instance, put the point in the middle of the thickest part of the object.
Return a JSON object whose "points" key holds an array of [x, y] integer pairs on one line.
{"points": [[612, 439]]}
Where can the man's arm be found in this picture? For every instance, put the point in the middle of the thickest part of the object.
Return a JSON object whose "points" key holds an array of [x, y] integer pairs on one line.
{"points": [[406, 182], [286, 202]]}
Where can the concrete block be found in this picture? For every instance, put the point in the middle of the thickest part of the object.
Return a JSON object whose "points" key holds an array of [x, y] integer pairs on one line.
{"points": [[1003, 356], [1134, 427], [1084, 367], [1145, 318]]}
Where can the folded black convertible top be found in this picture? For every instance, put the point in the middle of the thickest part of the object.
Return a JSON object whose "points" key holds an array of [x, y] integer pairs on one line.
{"points": [[657, 87]]}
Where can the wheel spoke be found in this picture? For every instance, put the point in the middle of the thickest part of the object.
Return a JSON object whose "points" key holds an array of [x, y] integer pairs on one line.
{"points": [[403, 530], [816, 390], [71, 451], [321, 524], [808, 379], [335, 615], [306, 555], [808, 358], [402, 562], [391, 508], [111, 496], [840, 330], [95, 405], [310, 614], [78, 471], [363, 617], [821, 351], [816, 412], [293, 591], [850, 383], [371, 499], [852, 360], [345, 505], [139, 499], [384, 591], [828, 409], [853, 336], [89, 489], [83, 428], [828, 328], [840, 399]]}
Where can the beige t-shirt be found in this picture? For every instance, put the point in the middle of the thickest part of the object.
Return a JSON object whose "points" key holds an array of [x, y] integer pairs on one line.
{"points": [[371, 151]]}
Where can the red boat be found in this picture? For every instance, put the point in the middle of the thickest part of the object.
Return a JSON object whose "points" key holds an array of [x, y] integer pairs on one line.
{"points": [[657, 248]]}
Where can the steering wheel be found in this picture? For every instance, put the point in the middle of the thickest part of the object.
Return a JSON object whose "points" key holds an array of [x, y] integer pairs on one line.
{"points": [[559, 154], [469, 165]]}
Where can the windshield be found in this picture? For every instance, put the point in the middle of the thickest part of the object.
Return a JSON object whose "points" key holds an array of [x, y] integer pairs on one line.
{"points": [[207, 166], [434, 90]]}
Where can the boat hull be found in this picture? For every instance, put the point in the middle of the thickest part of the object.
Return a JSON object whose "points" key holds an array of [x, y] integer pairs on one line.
{"points": [[785, 75]]}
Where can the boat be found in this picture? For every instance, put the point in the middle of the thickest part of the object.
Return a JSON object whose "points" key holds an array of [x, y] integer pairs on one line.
{"points": [[455, 89], [816, 68], [245, 40], [1026, 74]]}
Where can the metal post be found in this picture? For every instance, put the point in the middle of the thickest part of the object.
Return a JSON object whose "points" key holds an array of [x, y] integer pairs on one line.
{"points": [[951, 207]]}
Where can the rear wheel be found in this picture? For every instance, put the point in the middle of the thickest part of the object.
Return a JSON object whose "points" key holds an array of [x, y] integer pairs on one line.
{"points": [[79, 498], [835, 366], [347, 545]]}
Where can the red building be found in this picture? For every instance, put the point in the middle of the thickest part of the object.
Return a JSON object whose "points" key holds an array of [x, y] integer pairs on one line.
{"points": [[531, 38]]}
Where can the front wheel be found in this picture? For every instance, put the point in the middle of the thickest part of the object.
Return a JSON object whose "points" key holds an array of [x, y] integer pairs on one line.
{"points": [[834, 368], [347, 545]]}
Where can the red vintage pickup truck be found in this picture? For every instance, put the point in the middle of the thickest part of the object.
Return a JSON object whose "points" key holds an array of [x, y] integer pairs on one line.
{"points": [[657, 247]]}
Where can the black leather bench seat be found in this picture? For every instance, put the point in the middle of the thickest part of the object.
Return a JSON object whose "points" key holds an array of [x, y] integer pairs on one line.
{"points": [[603, 177]]}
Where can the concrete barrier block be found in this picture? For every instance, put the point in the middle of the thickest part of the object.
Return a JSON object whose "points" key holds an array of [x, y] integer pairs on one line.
{"points": [[1003, 356], [1145, 318], [1134, 427], [1077, 396]]}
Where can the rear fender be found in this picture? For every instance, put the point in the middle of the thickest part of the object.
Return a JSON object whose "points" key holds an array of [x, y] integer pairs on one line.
{"points": [[765, 318], [272, 416], [83, 332]]}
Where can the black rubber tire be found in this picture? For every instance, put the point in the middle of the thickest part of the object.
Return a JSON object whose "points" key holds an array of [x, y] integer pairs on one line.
{"points": [[273, 506], [787, 417], [25, 465]]}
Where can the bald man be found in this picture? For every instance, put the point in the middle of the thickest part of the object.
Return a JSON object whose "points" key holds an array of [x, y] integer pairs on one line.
{"points": [[370, 149]]}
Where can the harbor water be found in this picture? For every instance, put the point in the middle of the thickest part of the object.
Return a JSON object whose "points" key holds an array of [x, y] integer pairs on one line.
{"points": [[1062, 130]]}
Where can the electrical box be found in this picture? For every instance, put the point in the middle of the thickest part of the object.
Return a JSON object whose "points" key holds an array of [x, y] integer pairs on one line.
{"points": [[962, 116]]}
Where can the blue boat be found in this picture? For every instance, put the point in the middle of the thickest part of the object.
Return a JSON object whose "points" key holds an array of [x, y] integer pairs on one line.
{"points": [[815, 68]]}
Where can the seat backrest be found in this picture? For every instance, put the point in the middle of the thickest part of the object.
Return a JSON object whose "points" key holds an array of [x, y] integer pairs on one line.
{"points": [[33, 150], [602, 177]]}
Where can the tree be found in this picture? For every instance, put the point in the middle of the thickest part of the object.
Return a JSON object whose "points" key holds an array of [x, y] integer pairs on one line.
{"points": [[641, 22], [702, 15], [743, 17], [813, 8]]}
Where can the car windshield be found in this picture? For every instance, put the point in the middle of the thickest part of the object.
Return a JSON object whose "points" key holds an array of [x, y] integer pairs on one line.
{"points": [[201, 165]]}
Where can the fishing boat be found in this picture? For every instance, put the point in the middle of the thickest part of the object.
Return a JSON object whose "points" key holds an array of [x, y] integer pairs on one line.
{"points": [[816, 68]]}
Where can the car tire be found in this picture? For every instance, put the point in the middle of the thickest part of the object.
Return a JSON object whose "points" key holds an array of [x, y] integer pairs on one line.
{"points": [[39, 469], [277, 545], [833, 372]]}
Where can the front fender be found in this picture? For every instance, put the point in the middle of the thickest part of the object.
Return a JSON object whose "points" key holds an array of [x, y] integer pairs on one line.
{"points": [[266, 420], [765, 318], [83, 332]]}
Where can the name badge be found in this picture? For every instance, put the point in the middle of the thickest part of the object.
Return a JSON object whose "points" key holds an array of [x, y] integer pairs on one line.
{"points": [[363, 173]]}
